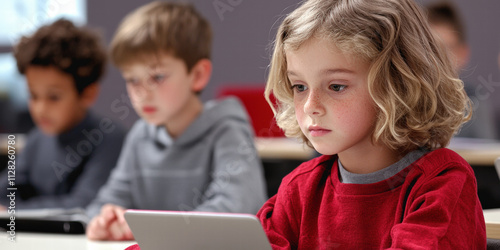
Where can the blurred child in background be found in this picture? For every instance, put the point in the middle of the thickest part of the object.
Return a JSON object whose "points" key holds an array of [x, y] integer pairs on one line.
{"points": [[183, 154], [70, 153], [446, 23]]}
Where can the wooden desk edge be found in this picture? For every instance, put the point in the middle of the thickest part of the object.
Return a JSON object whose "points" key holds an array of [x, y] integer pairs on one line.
{"points": [[479, 157], [282, 148], [493, 230]]}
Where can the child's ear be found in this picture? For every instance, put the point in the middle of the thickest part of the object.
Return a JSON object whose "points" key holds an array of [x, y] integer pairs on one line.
{"points": [[201, 73], [89, 94], [463, 56]]}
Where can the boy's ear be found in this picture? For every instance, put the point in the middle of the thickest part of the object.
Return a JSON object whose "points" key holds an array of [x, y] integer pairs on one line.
{"points": [[89, 94], [201, 73], [463, 55]]}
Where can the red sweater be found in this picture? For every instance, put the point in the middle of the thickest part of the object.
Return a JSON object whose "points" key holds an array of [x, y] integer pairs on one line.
{"points": [[431, 204]]}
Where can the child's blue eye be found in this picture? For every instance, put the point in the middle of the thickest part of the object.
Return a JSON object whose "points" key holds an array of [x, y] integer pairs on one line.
{"points": [[158, 78], [337, 87], [132, 82], [299, 87]]}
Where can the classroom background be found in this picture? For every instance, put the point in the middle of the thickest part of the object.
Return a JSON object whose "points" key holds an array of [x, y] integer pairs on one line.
{"points": [[243, 35]]}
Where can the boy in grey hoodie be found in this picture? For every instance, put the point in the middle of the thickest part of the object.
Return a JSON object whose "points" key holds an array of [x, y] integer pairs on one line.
{"points": [[183, 154]]}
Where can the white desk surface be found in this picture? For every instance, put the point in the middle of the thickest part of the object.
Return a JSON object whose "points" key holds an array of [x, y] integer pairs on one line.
{"points": [[492, 215], [492, 219], [39, 241]]}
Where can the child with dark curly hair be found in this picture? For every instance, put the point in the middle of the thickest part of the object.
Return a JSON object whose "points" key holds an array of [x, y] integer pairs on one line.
{"points": [[70, 153]]}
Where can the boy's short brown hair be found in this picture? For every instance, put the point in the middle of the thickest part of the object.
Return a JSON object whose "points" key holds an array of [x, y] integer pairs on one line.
{"points": [[447, 14], [162, 27], [73, 50]]}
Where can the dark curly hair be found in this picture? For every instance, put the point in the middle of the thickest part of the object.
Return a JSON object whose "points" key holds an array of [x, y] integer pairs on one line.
{"points": [[73, 50]]}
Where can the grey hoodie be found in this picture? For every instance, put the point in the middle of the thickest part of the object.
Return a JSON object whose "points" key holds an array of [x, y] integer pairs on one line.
{"points": [[213, 166]]}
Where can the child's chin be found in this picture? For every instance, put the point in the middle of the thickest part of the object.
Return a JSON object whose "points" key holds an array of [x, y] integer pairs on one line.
{"points": [[153, 122], [51, 132], [324, 150]]}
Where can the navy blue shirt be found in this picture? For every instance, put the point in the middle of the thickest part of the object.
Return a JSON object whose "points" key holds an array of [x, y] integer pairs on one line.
{"points": [[67, 170]]}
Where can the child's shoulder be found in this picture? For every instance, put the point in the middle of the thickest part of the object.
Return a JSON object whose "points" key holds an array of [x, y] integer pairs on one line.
{"points": [[33, 138], [229, 106], [218, 117], [141, 130], [110, 129], [310, 171], [442, 159]]}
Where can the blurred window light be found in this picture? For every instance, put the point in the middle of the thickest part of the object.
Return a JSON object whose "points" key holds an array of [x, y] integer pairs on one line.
{"points": [[23, 17], [12, 84]]}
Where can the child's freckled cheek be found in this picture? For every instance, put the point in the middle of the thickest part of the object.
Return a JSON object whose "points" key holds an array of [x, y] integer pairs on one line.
{"points": [[341, 111]]}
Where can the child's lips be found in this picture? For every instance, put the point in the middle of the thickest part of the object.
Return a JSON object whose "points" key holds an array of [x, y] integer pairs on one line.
{"points": [[148, 109], [318, 131], [43, 122]]}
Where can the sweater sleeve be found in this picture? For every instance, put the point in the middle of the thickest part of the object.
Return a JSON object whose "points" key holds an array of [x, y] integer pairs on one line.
{"points": [[443, 211], [117, 188], [275, 224], [280, 217], [237, 178], [95, 173]]}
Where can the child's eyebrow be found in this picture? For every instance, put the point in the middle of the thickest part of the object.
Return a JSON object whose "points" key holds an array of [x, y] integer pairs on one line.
{"points": [[325, 72], [291, 73], [160, 64], [336, 71], [53, 89]]}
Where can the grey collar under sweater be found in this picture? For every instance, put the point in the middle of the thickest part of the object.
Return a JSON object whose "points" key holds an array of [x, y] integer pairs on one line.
{"points": [[380, 175]]}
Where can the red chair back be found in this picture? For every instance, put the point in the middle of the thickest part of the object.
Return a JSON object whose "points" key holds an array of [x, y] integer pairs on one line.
{"points": [[258, 109]]}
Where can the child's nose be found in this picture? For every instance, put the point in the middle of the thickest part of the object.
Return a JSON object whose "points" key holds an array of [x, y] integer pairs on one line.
{"points": [[144, 92], [313, 104], [40, 107]]}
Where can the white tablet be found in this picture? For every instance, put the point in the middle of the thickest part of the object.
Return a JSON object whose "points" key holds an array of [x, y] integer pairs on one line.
{"points": [[174, 230]]}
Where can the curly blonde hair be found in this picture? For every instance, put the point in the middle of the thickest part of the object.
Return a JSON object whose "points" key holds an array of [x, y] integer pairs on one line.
{"points": [[419, 99]]}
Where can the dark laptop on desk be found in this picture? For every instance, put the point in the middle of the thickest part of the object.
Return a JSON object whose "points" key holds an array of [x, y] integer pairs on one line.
{"points": [[50, 220], [174, 230]]}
